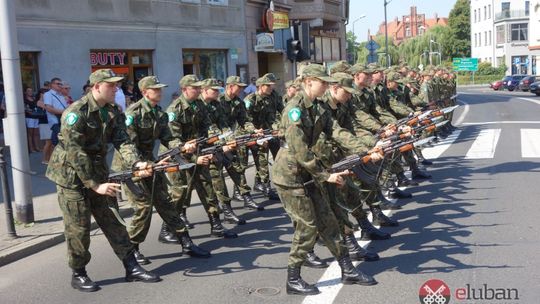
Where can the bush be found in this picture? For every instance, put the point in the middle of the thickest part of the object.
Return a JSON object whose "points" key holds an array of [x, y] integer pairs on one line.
{"points": [[485, 68]]}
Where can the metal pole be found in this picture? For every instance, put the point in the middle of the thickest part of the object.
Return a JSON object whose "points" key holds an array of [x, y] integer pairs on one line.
{"points": [[7, 196], [15, 112], [430, 51], [386, 35], [354, 42]]}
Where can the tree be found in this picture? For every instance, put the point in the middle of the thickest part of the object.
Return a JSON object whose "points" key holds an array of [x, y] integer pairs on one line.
{"points": [[459, 22], [352, 47]]}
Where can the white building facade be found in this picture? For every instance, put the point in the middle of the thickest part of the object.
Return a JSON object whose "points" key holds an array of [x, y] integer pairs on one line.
{"points": [[500, 34]]}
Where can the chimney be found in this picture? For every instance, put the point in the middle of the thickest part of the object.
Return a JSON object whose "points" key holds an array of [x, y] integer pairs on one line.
{"points": [[436, 17]]}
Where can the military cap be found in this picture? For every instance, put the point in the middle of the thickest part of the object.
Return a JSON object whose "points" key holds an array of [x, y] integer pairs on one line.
{"points": [[360, 68], [345, 81], [190, 81], [425, 73], [375, 67], [289, 84], [317, 71], [266, 79], [271, 76], [211, 83], [393, 76], [235, 80], [104, 75], [340, 66], [150, 82]]}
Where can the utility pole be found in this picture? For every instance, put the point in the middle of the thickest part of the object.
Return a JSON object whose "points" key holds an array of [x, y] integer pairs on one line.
{"points": [[354, 35], [386, 33], [11, 69]]}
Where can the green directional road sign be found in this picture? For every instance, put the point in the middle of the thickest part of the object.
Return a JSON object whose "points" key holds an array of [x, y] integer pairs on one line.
{"points": [[465, 64]]}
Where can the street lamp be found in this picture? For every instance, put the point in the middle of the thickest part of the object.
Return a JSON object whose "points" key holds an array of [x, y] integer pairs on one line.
{"points": [[431, 51], [354, 35], [386, 32]]}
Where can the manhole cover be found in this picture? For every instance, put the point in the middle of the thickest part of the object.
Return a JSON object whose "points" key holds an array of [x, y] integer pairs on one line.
{"points": [[267, 291]]}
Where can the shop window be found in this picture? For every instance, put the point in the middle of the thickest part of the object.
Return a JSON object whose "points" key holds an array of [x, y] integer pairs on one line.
{"points": [[29, 70], [132, 64], [520, 31], [205, 63]]}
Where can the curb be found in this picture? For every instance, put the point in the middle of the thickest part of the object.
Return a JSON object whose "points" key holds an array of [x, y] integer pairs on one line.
{"points": [[43, 242]]}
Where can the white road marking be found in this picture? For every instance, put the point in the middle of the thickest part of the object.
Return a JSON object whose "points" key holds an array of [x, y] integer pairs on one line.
{"points": [[536, 101], [484, 145], [530, 143], [441, 146], [330, 282], [464, 113], [483, 123]]}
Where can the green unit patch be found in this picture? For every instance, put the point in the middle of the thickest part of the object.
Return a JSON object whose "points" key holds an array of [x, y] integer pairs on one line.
{"points": [[129, 120], [247, 102], [71, 118], [294, 114], [172, 116]]}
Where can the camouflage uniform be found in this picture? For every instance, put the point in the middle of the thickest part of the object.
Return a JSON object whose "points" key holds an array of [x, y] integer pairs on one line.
{"points": [[145, 124], [78, 164]]}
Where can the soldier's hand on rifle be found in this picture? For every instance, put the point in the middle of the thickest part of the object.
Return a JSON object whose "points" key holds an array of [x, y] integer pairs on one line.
{"points": [[144, 169], [405, 129], [388, 132], [337, 178], [164, 161], [204, 160], [376, 156], [259, 132], [227, 148], [109, 189], [190, 147]]}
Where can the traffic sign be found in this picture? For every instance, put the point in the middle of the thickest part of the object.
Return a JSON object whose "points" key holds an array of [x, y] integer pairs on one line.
{"points": [[465, 64], [372, 45]]}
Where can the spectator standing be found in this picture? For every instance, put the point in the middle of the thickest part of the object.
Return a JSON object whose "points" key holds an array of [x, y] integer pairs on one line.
{"points": [[55, 104], [251, 88], [66, 91], [130, 94], [44, 129], [32, 114]]}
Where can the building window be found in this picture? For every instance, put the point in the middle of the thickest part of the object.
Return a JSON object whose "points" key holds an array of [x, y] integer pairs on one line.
{"points": [[29, 70], [519, 31], [407, 31], [527, 4], [474, 16], [205, 63], [420, 29], [519, 65], [480, 39], [485, 12], [475, 40], [485, 38], [505, 9], [218, 2], [132, 64], [500, 34], [489, 11], [489, 38]]}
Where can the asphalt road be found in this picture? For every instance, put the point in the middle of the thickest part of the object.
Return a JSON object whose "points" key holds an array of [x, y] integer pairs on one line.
{"points": [[474, 223]]}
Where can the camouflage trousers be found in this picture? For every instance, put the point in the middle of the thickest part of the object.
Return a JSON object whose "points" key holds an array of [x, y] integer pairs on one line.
{"points": [[181, 185], [155, 189], [235, 169], [311, 216], [77, 206], [260, 157]]}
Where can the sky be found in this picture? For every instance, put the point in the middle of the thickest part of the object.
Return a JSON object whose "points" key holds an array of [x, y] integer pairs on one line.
{"points": [[374, 11]]}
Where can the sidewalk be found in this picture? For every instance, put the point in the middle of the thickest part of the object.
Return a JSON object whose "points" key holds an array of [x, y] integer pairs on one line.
{"points": [[48, 228]]}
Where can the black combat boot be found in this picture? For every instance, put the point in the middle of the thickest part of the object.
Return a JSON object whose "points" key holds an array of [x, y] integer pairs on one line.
{"points": [[398, 193], [250, 204], [380, 219], [184, 219], [191, 249], [217, 230], [81, 281], [236, 194], [297, 286], [403, 181], [421, 158], [229, 216], [417, 173], [313, 261], [351, 275], [369, 232], [259, 186], [166, 236], [270, 192], [141, 259], [134, 271], [356, 252], [386, 204]]}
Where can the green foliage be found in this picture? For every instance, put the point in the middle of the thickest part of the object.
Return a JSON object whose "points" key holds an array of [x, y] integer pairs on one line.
{"points": [[485, 68], [478, 79], [459, 23]]}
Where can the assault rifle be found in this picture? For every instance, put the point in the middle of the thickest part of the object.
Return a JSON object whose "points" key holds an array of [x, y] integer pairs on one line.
{"points": [[127, 176], [175, 153]]}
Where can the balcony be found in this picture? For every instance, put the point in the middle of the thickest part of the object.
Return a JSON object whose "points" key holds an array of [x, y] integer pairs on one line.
{"points": [[513, 14]]}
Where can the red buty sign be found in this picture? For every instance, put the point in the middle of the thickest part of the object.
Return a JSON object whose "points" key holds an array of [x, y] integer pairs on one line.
{"points": [[434, 292], [108, 58]]}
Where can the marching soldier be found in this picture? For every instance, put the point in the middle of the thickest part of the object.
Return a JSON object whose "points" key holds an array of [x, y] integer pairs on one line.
{"points": [[146, 123], [79, 169]]}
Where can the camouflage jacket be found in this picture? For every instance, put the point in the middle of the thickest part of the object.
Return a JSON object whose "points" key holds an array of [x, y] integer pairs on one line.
{"points": [[144, 126], [79, 159], [380, 94], [236, 116], [398, 106], [362, 106], [264, 111], [305, 122], [188, 120], [217, 116]]}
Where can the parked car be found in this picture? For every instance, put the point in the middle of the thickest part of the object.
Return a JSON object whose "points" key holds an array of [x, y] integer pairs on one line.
{"points": [[499, 84], [496, 85], [513, 83], [526, 82], [535, 88]]}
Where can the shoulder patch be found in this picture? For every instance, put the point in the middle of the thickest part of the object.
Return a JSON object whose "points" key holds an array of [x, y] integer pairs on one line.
{"points": [[247, 102], [172, 116], [294, 114], [129, 120], [71, 118]]}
